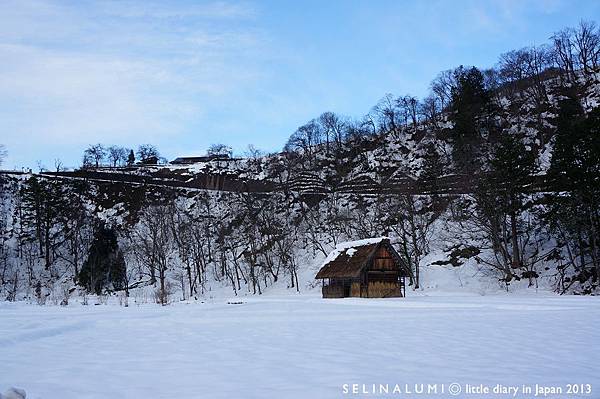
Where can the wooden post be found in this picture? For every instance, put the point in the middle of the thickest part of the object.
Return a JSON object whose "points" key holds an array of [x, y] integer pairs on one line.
{"points": [[367, 281]]}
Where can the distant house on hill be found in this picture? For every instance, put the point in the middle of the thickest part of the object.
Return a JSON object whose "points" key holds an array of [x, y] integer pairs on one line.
{"points": [[207, 158], [151, 160], [368, 268]]}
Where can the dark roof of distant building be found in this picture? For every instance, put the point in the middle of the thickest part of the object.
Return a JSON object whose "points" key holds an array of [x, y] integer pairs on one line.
{"points": [[205, 158]]}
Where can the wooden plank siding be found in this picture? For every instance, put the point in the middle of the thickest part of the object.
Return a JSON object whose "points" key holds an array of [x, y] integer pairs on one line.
{"points": [[383, 260], [382, 289]]}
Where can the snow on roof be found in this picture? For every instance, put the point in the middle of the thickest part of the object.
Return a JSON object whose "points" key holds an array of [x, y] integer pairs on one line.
{"points": [[360, 243], [350, 251], [349, 248]]}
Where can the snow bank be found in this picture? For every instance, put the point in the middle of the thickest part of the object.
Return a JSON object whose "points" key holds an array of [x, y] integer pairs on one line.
{"points": [[14, 393]]}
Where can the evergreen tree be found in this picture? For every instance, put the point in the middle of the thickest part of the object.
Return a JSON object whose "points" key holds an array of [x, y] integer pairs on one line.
{"points": [[511, 169], [575, 176], [433, 168], [131, 158], [105, 265], [500, 201], [44, 202], [576, 157], [433, 163], [470, 99]]}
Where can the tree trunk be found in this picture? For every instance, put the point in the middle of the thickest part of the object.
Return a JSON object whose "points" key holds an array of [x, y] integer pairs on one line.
{"points": [[516, 258]]}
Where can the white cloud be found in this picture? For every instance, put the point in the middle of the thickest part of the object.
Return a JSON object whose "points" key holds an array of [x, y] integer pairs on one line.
{"points": [[218, 9], [116, 72]]}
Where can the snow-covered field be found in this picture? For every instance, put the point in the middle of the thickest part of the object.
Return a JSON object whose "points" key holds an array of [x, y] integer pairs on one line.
{"points": [[301, 347]]}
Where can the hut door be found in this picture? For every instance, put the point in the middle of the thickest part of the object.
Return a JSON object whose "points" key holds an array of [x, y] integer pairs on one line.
{"points": [[347, 286]]}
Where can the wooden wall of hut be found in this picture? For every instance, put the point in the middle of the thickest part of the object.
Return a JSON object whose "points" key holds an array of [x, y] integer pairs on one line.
{"points": [[382, 289], [383, 260], [332, 291], [355, 289]]}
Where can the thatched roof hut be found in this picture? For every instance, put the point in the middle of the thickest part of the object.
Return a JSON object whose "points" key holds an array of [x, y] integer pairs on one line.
{"points": [[369, 268]]}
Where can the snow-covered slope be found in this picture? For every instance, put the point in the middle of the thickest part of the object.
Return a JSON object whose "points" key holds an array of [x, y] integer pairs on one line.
{"points": [[266, 224]]}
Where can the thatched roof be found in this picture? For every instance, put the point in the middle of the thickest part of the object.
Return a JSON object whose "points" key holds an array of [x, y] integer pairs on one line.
{"points": [[349, 259]]}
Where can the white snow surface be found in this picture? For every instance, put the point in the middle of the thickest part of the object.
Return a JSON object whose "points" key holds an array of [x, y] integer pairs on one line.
{"points": [[299, 346]]}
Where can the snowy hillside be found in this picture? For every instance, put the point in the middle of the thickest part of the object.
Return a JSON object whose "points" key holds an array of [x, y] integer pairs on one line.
{"points": [[248, 226]]}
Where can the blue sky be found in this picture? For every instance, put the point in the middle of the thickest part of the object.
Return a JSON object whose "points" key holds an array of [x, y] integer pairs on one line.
{"points": [[185, 74]]}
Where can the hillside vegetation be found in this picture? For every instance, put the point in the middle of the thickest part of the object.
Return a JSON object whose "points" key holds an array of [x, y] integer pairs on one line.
{"points": [[496, 172]]}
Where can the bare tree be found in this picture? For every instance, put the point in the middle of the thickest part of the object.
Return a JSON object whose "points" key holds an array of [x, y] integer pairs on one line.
{"points": [[154, 246], [563, 53], [357, 130], [586, 41], [146, 152], [253, 152], [523, 73], [305, 138], [333, 128], [429, 109], [539, 59], [3, 153], [76, 225], [117, 156], [442, 87], [368, 123], [409, 106], [193, 234], [94, 155], [513, 66], [412, 224], [387, 115], [219, 150]]}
